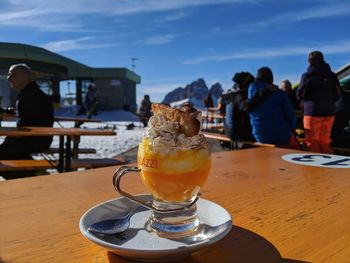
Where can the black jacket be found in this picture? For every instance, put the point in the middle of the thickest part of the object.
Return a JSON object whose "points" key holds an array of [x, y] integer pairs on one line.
{"points": [[318, 89], [34, 108]]}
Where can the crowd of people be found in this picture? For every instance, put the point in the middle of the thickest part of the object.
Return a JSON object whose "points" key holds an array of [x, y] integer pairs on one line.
{"points": [[255, 109], [258, 110]]}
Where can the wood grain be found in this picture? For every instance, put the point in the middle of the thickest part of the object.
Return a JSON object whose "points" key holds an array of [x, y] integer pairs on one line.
{"points": [[281, 212], [50, 131]]}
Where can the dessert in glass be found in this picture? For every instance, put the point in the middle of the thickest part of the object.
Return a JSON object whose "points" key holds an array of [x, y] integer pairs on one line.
{"points": [[174, 163]]}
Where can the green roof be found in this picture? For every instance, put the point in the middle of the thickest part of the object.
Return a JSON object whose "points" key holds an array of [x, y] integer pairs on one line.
{"points": [[43, 59]]}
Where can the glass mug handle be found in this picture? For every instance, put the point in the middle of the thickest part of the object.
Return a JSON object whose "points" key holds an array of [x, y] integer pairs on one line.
{"points": [[123, 170]]}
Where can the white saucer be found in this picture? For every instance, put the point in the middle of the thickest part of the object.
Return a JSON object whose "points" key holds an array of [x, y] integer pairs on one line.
{"points": [[141, 244]]}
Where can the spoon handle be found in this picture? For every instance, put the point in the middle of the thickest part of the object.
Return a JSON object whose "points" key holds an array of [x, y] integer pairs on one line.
{"points": [[128, 215]]}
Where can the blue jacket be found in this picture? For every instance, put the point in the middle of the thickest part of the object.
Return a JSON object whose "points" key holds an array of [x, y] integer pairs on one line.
{"points": [[273, 120]]}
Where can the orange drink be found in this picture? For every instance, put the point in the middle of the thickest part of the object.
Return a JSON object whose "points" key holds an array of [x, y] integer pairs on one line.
{"points": [[173, 173], [174, 162]]}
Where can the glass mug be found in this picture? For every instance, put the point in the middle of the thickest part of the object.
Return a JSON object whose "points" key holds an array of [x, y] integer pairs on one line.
{"points": [[174, 176]]}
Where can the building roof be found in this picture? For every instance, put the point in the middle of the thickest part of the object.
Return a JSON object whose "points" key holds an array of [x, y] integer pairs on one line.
{"points": [[344, 71], [41, 59]]}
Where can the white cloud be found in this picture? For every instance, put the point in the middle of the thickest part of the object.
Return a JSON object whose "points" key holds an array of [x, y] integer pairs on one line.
{"points": [[160, 40], [332, 48], [34, 17], [7, 17], [324, 10], [172, 17], [158, 91], [71, 44], [111, 6], [65, 14], [141, 6]]}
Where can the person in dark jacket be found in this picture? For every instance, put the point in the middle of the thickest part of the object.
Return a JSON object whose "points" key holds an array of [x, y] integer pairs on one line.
{"points": [[273, 120], [33, 108], [237, 122], [91, 101], [145, 110], [286, 86], [341, 126], [318, 91]]}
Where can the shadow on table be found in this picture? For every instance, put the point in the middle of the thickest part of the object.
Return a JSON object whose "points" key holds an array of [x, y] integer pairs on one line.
{"points": [[240, 245]]}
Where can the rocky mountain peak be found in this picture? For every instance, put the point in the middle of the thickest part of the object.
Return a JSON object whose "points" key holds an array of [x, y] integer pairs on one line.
{"points": [[195, 93]]}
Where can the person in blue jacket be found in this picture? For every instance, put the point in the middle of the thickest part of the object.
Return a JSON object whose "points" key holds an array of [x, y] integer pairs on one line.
{"points": [[273, 120]]}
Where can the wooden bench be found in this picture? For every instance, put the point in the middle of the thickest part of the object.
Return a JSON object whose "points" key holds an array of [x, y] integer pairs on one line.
{"points": [[220, 137], [29, 165], [216, 136]]}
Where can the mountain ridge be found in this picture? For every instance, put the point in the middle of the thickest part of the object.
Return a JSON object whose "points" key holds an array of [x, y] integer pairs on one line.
{"points": [[195, 93]]}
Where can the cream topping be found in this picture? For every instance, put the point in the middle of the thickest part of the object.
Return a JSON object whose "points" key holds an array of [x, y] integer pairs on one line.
{"points": [[163, 132]]}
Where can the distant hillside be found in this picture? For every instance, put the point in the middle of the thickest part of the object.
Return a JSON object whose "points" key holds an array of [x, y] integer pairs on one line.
{"points": [[195, 93]]}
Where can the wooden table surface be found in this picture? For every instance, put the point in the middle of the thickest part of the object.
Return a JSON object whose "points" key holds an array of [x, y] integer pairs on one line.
{"points": [[282, 212], [50, 131], [7, 117], [66, 135]]}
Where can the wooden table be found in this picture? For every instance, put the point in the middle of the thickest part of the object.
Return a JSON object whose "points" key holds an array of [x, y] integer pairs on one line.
{"points": [[282, 212], [65, 134], [77, 123], [7, 117]]}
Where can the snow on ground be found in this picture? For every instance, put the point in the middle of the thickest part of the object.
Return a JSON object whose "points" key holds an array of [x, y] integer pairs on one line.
{"points": [[106, 146], [111, 116]]}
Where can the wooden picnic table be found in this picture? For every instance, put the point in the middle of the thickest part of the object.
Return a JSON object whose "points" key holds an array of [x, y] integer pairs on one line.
{"points": [[65, 135], [281, 211], [7, 117], [78, 121]]}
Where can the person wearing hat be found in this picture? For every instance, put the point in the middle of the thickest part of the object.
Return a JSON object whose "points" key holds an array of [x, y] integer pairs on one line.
{"points": [[318, 91], [237, 121]]}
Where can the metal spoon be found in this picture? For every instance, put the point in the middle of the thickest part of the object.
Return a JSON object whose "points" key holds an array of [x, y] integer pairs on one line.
{"points": [[113, 226]]}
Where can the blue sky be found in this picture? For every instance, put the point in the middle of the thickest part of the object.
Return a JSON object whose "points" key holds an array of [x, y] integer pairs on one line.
{"points": [[179, 41]]}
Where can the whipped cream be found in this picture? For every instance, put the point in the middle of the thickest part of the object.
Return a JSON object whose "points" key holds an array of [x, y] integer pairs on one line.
{"points": [[163, 132]]}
